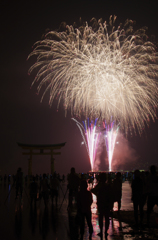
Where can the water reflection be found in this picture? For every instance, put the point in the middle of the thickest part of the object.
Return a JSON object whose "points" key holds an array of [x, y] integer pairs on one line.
{"points": [[44, 223], [38, 222], [73, 225], [33, 219], [54, 219], [18, 223]]}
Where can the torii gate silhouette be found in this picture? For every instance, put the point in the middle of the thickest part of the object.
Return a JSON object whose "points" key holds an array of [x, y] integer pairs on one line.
{"points": [[41, 149]]}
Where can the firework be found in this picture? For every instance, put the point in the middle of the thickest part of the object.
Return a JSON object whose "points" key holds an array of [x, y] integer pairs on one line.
{"points": [[100, 70], [111, 131], [90, 137]]}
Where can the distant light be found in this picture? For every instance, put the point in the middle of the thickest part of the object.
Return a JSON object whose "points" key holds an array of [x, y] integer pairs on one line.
{"points": [[117, 142], [82, 143]]}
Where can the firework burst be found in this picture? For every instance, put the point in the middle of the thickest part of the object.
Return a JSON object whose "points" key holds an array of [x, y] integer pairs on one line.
{"points": [[111, 131], [90, 137], [100, 70]]}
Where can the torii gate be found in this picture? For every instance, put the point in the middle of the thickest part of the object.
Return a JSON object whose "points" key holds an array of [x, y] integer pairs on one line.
{"points": [[46, 149]]}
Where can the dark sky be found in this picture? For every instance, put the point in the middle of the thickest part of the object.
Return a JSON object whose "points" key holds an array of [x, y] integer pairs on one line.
{"points": [[24, 119]]}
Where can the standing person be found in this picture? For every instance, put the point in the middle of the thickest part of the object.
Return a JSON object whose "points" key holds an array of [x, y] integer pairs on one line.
{"points": [[33, 191], [44, 188], [117, 190], [19, 182], [73, 184], [104, 202], [0, 179], [152, 186], [137, 197], [84, 202], [145, 190], [54, 187], [63, 178], [116, 196], [5, 178], [9, 179]]}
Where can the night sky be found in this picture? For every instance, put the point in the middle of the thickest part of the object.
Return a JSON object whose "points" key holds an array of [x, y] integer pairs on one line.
{"points": [[25, 119]]}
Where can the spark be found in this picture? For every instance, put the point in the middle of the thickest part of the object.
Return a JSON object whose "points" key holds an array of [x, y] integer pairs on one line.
{"points": [[100, 70], [90, 138], [111, 131]]}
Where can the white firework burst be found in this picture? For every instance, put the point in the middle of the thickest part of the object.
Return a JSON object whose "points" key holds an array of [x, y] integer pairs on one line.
{"points": [[100, 71]]}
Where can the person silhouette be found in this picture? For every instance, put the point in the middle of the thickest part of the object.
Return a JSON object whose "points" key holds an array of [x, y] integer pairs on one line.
{"points": [[19, 182], [44, 188], [117, 190], [73, 184], [33, 191], [54, 188], [137, 197], [84, 202], [104, 202], [152, 186]]}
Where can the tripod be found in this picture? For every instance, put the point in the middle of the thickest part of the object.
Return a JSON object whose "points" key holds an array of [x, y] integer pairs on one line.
{"points": [[63, 199], [11, 190], [62, 191]]}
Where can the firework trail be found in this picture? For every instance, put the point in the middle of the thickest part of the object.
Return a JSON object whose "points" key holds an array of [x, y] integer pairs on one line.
{"points": [[100, 70], [90, 138], [111, 131]]}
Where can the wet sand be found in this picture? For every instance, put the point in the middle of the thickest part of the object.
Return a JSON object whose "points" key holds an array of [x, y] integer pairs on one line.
{"points": [[19, 221]]}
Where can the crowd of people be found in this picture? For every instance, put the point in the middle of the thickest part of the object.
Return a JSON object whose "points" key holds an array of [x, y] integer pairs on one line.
{"points": [[107, 188], [107, 192]]}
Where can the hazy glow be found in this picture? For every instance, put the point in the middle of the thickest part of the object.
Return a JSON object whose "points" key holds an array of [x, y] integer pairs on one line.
{"points": [[90, 138], [100, 72], [111, 131]]}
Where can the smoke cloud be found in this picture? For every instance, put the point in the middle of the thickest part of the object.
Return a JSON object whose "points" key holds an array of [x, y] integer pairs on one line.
{"points": [[124, 156]]}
